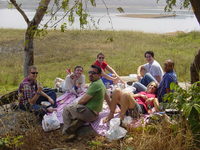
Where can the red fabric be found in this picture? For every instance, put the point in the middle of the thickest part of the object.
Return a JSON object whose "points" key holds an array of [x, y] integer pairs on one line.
{"points": [[102, 66], [142, 101]]}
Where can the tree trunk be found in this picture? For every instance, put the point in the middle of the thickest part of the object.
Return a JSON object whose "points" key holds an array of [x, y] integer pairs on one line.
{"points": [[195, 68], [28, 50], [196, 8]]}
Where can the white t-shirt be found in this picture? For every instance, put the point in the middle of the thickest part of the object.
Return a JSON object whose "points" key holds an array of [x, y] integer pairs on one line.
{"points": [[154, 69], [68, 84]]}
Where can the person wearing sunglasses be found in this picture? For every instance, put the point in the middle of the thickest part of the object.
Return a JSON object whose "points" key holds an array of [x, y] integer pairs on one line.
{"points": [[107, 78], [88, 107], [134, 104], [31, 95]]}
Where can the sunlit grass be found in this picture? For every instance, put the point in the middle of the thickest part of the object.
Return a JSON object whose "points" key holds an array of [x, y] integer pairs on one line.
{"points": [[124, 52]]}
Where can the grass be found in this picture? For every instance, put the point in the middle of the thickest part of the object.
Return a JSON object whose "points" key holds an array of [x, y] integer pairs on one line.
{"points": [[123, 49]]}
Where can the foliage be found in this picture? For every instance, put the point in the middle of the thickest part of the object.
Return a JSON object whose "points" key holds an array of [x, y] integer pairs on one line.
{"points": [[187, 102], [170, 4], [12, 142]]}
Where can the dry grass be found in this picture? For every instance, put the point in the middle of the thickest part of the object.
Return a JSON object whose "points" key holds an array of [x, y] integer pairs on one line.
{"points": [[155, 137]]}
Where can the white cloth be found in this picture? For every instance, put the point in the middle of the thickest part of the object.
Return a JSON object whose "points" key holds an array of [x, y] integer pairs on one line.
{"points": [[69, 83], [154, 69]]}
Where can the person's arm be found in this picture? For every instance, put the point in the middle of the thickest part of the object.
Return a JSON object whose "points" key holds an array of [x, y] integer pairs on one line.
{"points": [[84, 99], [155, 103], [36, 96], [140, 95], [103, 74], [158, 78], [48, 97], [107, 98], [139, 70], [110, 69]]}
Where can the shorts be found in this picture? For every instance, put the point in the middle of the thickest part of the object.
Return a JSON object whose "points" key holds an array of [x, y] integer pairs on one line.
{"points": [[136, 111]]}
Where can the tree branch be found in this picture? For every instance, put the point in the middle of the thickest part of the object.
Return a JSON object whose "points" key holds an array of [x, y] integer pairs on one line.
{"points": [[20, 11], [41, 10]]}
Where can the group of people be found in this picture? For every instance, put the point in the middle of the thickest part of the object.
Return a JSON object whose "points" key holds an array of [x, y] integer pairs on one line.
{"points": [[152, 85]]}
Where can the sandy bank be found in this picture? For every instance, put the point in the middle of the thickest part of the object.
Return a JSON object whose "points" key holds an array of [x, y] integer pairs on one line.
{"points": [[147, 15]]}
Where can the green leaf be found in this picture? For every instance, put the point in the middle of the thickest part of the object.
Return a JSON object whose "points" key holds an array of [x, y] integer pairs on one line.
{"points": [[197, 107], [93, 3], [120, 9]]}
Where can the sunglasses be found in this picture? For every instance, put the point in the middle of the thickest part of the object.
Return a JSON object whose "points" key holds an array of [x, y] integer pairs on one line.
{"points": [[34, 72], [92, 72], [100, 57]]}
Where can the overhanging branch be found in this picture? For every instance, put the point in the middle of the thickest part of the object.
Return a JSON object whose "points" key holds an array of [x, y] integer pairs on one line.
{"points": [[20, 10], [41, 10]]}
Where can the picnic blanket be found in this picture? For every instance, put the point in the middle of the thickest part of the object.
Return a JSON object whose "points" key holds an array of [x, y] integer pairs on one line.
{"points": [[65, 100]]}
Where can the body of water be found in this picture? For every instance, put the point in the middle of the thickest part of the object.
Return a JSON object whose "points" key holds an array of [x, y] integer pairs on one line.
{"points": [[183, 21]]}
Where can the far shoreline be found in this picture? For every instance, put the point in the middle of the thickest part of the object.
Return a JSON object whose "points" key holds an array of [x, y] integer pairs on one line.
{"points": [[147, 15]]}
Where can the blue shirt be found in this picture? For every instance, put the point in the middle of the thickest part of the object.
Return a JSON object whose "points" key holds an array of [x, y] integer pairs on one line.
{"points": [[167, 79]]}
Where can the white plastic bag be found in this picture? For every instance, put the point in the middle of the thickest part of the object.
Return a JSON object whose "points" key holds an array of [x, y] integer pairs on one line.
{"points": [[127, 120], [115, 132], [50, 122]]}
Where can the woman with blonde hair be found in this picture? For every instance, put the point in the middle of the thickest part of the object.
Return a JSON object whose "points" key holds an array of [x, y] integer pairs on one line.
{"points": [[134, 104]]}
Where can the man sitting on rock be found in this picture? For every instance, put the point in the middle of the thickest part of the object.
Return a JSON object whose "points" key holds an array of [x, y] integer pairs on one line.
{"points": [[31, 95], [89, 106]]}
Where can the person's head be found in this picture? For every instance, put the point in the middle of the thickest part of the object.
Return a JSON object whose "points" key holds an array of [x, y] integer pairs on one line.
{"points": [[152, 87], [168, 65], [149, 55], [100, 57], [32, 72], [78, 70], [94, 73]]}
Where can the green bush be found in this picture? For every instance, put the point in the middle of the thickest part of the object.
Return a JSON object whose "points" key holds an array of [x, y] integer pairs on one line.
{"points": [[188, 103]]}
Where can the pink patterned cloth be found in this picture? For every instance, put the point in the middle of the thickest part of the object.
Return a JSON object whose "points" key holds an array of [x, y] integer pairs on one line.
{"points": [[101, 128], [65, 100]]}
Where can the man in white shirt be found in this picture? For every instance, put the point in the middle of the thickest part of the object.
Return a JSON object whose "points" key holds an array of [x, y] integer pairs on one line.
{"points": [[151, 71]]}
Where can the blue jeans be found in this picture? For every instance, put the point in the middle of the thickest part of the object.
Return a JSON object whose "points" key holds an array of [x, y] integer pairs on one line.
{"points": [[106, 81], [142, 84], [51, 94], [147, 79], [37, 108], [139, 87]]}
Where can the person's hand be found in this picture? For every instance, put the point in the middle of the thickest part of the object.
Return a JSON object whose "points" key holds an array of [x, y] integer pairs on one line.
{"points": [[144, 96], [115, 80], [39, 88], [72, 76], [139, 77], [149, 99]]}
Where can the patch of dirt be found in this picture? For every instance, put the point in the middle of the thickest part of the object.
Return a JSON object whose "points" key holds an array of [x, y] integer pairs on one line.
{"points": [[15, 123]]}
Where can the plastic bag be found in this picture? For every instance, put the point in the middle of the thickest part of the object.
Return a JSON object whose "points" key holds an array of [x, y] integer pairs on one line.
{"points": [[115, 132], [50, 122], [127, 120]]}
